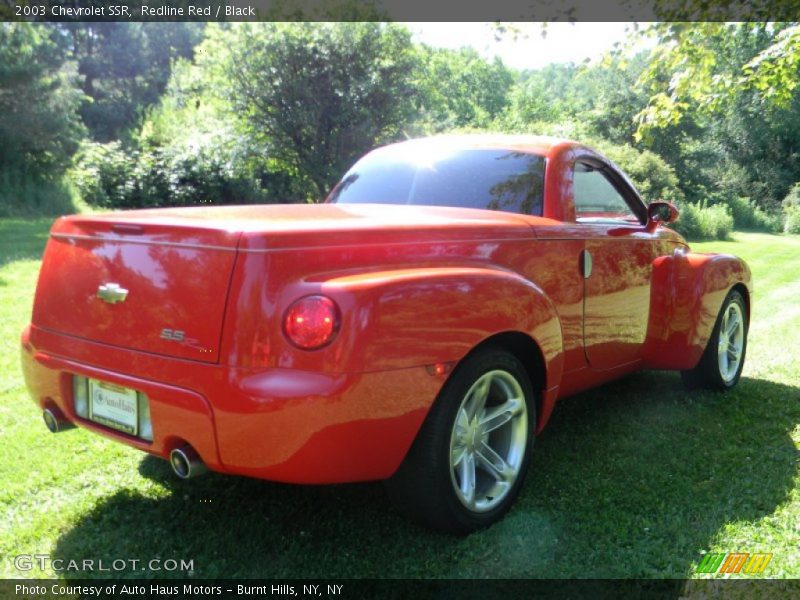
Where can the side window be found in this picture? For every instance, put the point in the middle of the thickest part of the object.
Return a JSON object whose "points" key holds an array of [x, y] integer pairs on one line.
{"points": [[597, 198]]}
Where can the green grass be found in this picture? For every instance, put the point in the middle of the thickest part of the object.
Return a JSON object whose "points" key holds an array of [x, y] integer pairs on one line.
{"points": [[636, 479]]}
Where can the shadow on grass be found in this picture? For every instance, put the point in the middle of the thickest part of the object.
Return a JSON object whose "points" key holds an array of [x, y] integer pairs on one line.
{"points": [[635, 479]]}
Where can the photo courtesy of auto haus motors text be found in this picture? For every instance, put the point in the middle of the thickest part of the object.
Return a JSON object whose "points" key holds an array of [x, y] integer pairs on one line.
{"points": [[167, 590]]}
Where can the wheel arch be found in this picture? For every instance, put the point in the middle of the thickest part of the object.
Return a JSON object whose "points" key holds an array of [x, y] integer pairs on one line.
{"points": [[709, 372], [528, 352], [424, 486], [745, 292]]}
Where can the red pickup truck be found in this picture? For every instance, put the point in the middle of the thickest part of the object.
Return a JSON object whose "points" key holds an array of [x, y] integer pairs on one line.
{"points": [[418, 327]]}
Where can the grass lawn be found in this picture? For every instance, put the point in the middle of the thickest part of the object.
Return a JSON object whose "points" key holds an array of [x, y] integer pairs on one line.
{"points": [[637, 479]]}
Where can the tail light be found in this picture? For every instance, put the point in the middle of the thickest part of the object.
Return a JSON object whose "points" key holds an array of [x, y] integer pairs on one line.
{"points": [[311, 322]]}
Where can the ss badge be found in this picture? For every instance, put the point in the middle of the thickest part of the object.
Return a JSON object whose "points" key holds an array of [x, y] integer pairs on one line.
{"points": [[172, 335]]}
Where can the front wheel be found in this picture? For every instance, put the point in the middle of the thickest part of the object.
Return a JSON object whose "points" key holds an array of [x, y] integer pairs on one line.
{"points": [[721, 364], [469, 460]]}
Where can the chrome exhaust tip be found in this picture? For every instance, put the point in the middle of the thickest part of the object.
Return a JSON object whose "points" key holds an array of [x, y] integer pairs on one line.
{"points": [[186, 463], [55, 421]]}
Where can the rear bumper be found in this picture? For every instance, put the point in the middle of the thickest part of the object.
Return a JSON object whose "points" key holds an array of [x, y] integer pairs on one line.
{"points": [[279, 424]]}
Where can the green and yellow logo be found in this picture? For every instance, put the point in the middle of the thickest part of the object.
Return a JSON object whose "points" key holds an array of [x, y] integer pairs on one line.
{"points": [[734, 562]]}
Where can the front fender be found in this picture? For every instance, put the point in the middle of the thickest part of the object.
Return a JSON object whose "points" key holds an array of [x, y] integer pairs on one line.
{"points": [[688, 290]]}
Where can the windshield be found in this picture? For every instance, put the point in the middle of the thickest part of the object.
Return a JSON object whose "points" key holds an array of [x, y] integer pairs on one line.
{"points": [[432, 175]]}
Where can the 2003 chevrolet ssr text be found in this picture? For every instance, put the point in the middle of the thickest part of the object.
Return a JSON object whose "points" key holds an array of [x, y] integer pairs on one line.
{"points": [[418, 327]]}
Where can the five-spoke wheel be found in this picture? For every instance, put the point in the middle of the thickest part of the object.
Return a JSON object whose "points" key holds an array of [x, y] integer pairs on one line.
{"points": [[730, 344], [468, 462], [721, 364], [488, 440]]}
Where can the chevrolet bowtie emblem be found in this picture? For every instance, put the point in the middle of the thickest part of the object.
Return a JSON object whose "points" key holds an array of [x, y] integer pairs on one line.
{"points": [[112, 293]]}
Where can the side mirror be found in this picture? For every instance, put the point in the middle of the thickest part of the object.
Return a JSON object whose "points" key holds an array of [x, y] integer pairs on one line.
{"points": [[661, 211]]}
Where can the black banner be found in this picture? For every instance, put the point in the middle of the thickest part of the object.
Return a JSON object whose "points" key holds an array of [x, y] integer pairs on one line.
{"points": [[399, 10], [349, 589]]}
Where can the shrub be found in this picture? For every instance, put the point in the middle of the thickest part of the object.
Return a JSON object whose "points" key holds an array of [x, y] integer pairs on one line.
{"points": [[747, 215], [106, 175], [792, 223], [792, 199], [791, 210], [24, 195], [103, 174], [700, 222]]}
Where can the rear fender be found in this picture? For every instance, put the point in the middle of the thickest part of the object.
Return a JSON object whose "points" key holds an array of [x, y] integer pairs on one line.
{"points": [[415, 317], [402, 331], [688, 290]]}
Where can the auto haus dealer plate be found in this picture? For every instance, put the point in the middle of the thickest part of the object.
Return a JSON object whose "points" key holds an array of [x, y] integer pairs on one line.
{"points": [[114, 406]]}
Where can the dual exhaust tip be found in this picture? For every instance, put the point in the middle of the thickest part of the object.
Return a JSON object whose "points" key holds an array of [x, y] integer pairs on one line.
{"points": [[55, 421], [185, 461]]}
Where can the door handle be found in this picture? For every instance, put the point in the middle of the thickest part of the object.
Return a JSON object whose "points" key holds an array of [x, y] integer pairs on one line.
{"points": [[586, 264]]}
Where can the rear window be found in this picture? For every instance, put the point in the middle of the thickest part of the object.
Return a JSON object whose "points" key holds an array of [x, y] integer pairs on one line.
{"points": [[417, 174]]}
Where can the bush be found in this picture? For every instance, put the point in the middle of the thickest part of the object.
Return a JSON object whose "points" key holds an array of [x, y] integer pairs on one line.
{"points": [[791, 210], [747, 215], [792, 223], [23, 195], [792, 199], [108, 176], [700, 222], [103, 174]]}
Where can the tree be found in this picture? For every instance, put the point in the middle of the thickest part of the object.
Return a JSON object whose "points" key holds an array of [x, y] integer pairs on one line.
{"points": [[39, 124], [703, 67], [458, 88], [318, 95], [723, 100], [611, 94], [545, 95], [125, 69]]}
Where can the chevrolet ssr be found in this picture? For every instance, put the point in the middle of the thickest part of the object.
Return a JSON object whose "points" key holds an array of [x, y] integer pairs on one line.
{"points": [[418, 327]]}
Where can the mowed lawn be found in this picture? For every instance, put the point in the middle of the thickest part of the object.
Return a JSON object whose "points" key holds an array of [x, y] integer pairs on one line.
{"points": [[637, 479]]}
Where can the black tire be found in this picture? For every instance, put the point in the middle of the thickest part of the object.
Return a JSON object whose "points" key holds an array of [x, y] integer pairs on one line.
{"points": [[709, 372], [428, 489]]}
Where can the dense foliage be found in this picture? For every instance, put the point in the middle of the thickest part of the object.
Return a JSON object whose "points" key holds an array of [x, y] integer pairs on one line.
{"points": [[163, 114], [701, 222], [316, 96], [125, 68], [39, 100], [791, 208]]}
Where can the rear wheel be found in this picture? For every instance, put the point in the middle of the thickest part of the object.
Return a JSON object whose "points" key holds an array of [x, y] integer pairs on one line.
{"points": [[721, 364], [467, 465]]}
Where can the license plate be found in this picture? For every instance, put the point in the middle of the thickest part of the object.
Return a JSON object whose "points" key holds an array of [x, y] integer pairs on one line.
{"points": [[114, 406]]}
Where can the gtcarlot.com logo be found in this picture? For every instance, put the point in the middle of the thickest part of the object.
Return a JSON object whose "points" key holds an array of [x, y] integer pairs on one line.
{"points": [[734, 562], [27, 562]]}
